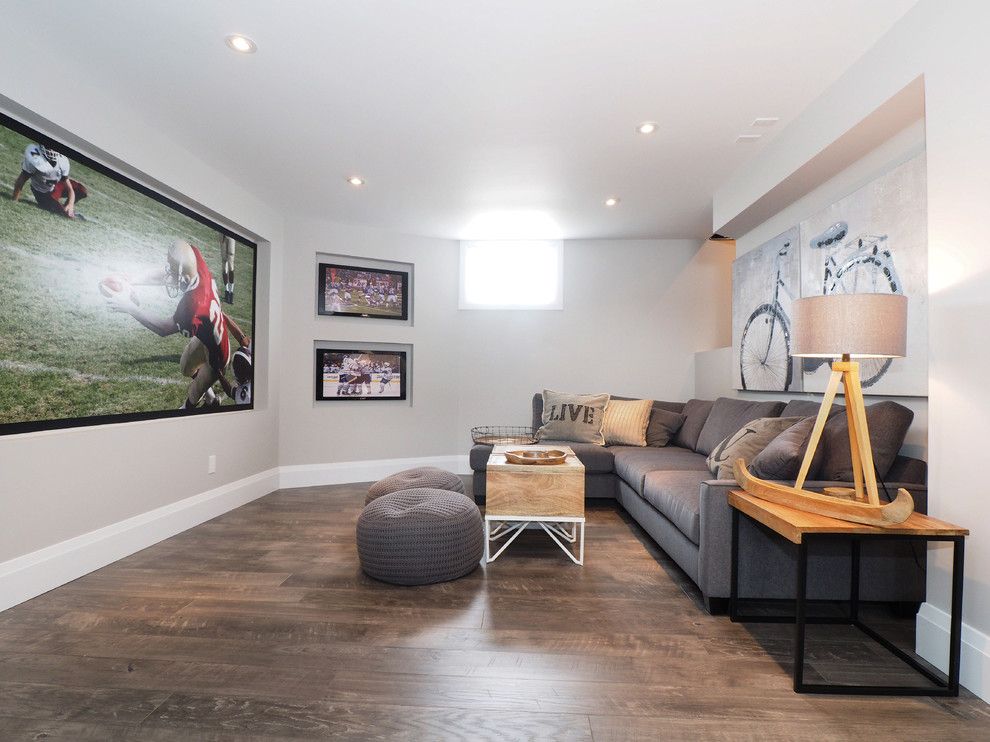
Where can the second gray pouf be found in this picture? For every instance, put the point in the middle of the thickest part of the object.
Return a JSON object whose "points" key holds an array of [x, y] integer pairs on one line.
{"points": [[422, 476], [420, 536]]}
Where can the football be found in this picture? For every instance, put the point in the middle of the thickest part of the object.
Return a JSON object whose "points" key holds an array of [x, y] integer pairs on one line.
{"points": [[111, 285]]}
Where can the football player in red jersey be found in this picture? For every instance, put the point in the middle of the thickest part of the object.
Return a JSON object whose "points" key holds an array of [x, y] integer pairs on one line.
{"points": [[198, 317]]}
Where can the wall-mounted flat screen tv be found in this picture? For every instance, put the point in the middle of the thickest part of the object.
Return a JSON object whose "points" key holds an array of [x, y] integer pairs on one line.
{"points": [[353, 291], [343, 374], [116, 302]]}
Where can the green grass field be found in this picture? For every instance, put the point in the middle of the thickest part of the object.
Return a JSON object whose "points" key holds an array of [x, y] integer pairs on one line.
{"points": [[359, 304], [63, 353]]}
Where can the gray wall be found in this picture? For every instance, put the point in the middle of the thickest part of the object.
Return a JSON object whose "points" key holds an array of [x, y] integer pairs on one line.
{"points": [[59, 484], [328, 432], [945, 43], [635, 312], [714, 377], [631, 324]]}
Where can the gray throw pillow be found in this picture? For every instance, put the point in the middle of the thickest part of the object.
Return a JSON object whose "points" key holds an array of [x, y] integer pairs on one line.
{"points": [[728, 415], [696, 413], [663, 426], [782, 457], [888, 423], [573, 417], [746, 443]]}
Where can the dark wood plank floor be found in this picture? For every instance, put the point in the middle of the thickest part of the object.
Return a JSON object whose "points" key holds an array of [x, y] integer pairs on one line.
{"points": [[260, 625]]}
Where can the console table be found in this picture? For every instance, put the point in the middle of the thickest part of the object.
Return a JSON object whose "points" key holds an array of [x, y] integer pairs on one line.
{"points": [[800, 528]]}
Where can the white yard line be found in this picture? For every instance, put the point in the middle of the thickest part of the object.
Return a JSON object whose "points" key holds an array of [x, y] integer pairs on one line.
{"points": [[76, 375]]}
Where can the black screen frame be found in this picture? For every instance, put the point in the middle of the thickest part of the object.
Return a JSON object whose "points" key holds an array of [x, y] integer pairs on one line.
{"points": [[318, 375], [30, 426], [321, 290]]}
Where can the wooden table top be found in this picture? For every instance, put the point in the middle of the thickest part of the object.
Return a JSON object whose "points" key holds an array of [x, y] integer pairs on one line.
{"points": [[572, 464], [793, 524]]}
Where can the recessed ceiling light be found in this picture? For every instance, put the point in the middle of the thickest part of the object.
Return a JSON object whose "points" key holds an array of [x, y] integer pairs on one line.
{"points": [[647, 127], [765, 121], [611, 201], [241, 44], [747, 138], [356, 181]]}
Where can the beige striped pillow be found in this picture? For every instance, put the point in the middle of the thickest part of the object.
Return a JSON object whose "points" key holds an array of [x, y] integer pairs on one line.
{"points": [[626, 421]]}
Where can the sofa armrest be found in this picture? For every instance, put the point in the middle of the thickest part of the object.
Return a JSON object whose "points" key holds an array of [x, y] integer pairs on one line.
{"points": [[478, 456], [715, 543]]}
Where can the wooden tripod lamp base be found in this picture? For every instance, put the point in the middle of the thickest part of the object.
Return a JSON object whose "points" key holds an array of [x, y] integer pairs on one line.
{"points": [[846, 372], [875, 325]]}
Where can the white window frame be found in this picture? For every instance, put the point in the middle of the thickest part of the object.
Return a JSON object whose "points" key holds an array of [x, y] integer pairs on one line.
{"points": [[515, 254]]}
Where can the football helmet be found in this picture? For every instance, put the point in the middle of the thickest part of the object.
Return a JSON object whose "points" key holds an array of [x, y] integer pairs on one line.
{"points": [[241, 364], [49, 154], [180, 271]]}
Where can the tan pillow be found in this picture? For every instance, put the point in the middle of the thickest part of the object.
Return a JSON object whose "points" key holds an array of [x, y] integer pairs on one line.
{"points": [[626, 421], [573, 417], [745, 443]]}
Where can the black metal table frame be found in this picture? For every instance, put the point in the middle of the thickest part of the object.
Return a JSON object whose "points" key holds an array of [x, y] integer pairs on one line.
{"points": [[944, 685]]}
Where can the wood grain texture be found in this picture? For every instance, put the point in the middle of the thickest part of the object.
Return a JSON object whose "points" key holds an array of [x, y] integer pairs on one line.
{"points": [[528, 490], [887, 515], [259, 625], [793, 524]]}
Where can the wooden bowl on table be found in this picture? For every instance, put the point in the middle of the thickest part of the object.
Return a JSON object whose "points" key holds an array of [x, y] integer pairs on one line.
{"points": [[544, 458]]}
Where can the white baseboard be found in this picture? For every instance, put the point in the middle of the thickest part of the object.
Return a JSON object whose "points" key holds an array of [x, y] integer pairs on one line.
{"points": [[345, 472], [30, 575], [932, 643]]}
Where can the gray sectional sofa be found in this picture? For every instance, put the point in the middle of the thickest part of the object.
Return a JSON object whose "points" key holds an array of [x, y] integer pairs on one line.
{"points": [[670, 492]]}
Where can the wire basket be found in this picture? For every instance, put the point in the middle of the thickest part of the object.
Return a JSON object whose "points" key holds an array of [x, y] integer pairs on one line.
{"points": [[503, 435]]}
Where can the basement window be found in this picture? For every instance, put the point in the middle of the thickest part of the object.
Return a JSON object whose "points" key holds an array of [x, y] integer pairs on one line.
{"points": [[512, 274]]}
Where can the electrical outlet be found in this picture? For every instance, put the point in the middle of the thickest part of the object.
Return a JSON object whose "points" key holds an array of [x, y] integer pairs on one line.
{"points": [[211, 464]]}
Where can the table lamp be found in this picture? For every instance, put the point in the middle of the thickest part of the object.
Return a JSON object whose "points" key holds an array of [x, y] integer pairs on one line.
{"points": [[848, 327]]}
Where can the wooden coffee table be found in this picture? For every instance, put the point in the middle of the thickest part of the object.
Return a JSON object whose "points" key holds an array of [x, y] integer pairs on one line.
{"points": [[551, 496]]}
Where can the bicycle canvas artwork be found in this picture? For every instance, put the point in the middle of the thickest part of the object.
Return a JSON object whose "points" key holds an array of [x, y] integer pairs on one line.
{"points": [[874, 241], [765, 281]]}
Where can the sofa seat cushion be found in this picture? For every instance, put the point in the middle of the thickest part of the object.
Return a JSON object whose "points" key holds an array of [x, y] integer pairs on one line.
{"points": [[632, 464], [677, 496], [729, 415], [596, 459]]}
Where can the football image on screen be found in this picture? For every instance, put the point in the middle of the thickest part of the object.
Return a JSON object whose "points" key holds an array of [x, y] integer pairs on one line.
{"points": [[357, 374], [118, 303], [363, 292]]}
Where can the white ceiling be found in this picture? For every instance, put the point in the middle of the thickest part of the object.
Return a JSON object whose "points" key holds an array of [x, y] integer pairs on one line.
{"points": [[455, 109]]}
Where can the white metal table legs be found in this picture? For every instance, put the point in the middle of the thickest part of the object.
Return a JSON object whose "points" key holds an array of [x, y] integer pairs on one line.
{"points": [[561, 529]]}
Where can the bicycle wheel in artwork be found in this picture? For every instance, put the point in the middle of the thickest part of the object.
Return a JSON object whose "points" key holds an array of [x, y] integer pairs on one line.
{"points": [[765, 282], [874, 241]]}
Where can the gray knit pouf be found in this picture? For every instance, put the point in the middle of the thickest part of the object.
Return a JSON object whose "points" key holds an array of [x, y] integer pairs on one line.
{"points": [[420, 536], [422, 476]]}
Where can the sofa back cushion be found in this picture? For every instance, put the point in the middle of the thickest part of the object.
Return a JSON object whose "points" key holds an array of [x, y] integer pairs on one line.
{"points": [[808, 408], [573, 417], [729, 415], [888, 423], [695, 415]]}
